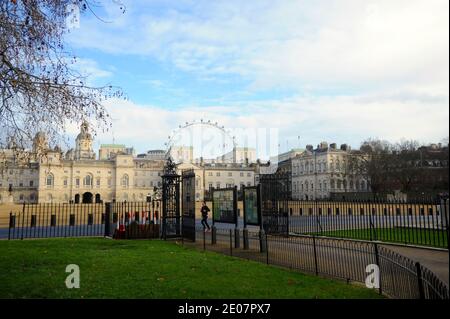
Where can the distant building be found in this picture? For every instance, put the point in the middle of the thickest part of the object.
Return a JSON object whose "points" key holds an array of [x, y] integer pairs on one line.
{"points": [[108, 151], [182, 154], [219, 175], [238, 155], [316, 173], [46, 175], [156, 155]]}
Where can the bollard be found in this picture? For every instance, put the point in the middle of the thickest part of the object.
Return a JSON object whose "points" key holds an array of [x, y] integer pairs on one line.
{"points": [[231, 242], [237, 242], [53, 220], [213, 235], [90, 219], [108, 219], [262, 241], [245, 238]]}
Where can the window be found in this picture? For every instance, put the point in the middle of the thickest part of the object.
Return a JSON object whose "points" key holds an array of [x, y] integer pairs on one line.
{"points": [[20, 184], [77, 182], [242, 174], [125, 181], [218, 174], [249, 174], [98, 182], [217, 185], [21, 197], [31, 183], [87, 181], [65, 182], [210, 174], [109, 182], [49, 180], [230, 174]]}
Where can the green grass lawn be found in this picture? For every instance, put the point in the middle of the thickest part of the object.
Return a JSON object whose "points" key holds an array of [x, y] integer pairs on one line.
{"points": [[150, 269], [412, 236]]}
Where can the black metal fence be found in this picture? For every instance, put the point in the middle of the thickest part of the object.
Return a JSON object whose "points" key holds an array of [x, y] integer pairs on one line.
{"points": [[57, 220], [117, 220], [424, 223], [399, 277], [134, 220]]}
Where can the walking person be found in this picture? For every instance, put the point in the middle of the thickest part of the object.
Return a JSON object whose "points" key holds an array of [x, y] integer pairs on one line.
{"points": [[204, 210]]}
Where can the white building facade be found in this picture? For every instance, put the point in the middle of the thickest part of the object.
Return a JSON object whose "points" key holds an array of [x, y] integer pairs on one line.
{"points": [[316, 173]]}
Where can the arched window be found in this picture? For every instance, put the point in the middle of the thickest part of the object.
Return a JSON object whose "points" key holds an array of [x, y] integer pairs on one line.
{"points": [[87, 181], [125, 181], [49, 180]]}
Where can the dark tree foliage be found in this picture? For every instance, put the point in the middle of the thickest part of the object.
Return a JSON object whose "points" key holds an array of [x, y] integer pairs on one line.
{"points": [[404, 166], [40, 90]]}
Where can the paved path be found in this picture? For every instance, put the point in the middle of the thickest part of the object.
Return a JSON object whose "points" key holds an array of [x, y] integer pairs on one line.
{"points": [[435, 260]]}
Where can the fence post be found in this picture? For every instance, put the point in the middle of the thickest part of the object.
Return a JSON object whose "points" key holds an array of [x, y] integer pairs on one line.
{"points": [[267, 249], [213, 235], [245, 238], [315, 254], [377, 261], [231, 242], [10, 224], [419, 281], [23, 222], [107, 219], [262, 241], [204, 240], [237, 241], [444, 217]]}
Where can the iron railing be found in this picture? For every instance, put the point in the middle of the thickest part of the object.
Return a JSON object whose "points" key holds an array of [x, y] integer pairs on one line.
{"points": [[117, 220], [399, 276], [422, 223]]}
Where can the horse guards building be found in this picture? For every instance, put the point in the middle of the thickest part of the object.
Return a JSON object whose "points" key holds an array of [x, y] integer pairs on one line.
{"points": [[48, 175]]}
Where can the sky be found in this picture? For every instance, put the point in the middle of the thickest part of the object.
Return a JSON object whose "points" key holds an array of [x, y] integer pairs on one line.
{"points": [[338, 71]]}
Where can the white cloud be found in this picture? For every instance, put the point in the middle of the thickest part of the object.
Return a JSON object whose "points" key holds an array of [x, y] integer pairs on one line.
{"points": [[385, 62], [343, 119], [91, 70], [291, 43]]}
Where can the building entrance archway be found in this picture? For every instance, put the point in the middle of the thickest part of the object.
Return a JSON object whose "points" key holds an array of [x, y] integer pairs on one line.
{"points": [[87, 198]]}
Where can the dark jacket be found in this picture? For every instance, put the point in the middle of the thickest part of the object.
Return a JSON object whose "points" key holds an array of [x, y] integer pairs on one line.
{"points": [[204, 210]]}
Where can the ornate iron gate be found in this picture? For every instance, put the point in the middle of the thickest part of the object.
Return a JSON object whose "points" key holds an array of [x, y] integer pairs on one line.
{"points": [[274, 203], [171, 201], [188, 205]]}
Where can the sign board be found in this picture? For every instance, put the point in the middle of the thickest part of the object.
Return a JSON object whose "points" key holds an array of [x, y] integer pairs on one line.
{"points": [[252, 212], [224, 205]]}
